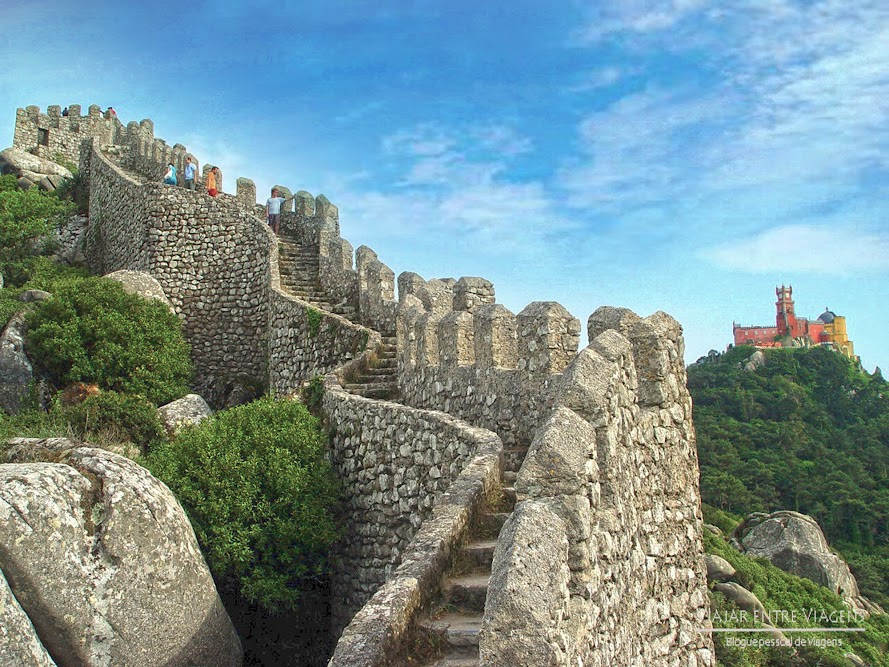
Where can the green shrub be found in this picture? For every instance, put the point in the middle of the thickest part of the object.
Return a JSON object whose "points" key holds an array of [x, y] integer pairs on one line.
{"points": [[75, 190], [780, 591], [723, 520], [26, 219], [115, 417], [260, 493], [92, 331]]}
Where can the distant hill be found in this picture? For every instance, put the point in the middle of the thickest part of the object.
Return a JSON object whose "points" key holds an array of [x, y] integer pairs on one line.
{"points": [[806, 431]]}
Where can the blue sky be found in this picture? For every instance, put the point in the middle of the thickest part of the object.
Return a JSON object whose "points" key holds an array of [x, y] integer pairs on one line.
{"points": [[685, 156]]}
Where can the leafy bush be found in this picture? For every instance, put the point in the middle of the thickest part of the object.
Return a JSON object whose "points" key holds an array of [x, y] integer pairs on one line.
{"points": [[115, 417], [260, 493], [92, 331], [26, 219], [75, 190], [783, 592]]}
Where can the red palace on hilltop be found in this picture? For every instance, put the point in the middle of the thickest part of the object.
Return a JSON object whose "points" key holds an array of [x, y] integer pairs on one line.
{"points": [[828, 330]]}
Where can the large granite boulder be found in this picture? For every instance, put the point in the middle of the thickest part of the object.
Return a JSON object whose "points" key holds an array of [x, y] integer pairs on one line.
{"points": [[103, 560], [22, 163], [16, 373], [190, 409], [794, 542], [19, 644], [141, 283], [718, 568]]}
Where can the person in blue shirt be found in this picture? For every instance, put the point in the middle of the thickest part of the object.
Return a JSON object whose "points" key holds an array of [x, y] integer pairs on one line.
{"points": [[170, 176], [190, 171]]}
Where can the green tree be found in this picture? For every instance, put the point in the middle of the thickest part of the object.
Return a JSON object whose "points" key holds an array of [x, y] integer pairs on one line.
{"points": [[261, 495], [809, 431], [27, 217], [92, 331]]}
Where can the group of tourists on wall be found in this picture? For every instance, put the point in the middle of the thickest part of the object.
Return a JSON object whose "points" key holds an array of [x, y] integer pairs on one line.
{"points": [[190, 173]]}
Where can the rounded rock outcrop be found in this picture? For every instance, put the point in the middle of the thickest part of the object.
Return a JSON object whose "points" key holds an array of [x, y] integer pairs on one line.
{"points": [[795, 543], [190, 409], [102, 559], [142, 283]]}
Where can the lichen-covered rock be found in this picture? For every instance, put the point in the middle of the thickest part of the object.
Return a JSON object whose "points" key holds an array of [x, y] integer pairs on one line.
{"points": [[141, 283], [16, 372], [190, 409], [19, 644], [795, 543], [103, 560], [743, 598], [718, 568], [34, 295], [756, 360], [15, 161]]}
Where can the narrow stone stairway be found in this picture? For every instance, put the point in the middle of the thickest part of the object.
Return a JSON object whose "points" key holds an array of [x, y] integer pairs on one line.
{"points": [[449, 635], [298, 268], [379, 377]]}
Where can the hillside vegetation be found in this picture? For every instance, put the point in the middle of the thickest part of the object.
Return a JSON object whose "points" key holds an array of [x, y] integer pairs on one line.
{"points": [[808, 431]]}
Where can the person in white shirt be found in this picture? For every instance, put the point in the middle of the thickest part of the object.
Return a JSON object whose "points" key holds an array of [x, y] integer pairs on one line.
{"points": [[273, 209]]}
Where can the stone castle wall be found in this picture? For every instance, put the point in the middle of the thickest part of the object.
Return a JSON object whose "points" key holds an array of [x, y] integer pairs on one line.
{"points": [[51, 135], [395, 463], [211, 258], [609, 505], [464, 354], [609, 513]]}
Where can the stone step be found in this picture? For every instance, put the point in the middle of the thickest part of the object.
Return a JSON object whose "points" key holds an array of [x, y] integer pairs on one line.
{"points": [[378, 371], [364, 386], [488, 525], [467, 592], [378, 394], [509, 496], [513, 458], [479, 553], [457, 661], [458, 631]]}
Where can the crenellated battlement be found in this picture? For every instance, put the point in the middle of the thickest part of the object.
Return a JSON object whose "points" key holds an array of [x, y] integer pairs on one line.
{"points": [[53, 136], [461, 352], [609, 489]]}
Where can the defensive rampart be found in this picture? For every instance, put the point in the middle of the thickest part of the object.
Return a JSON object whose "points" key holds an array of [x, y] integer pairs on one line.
{"points": [[608, 512], [601, 563], [397, 463], [211, 258]]}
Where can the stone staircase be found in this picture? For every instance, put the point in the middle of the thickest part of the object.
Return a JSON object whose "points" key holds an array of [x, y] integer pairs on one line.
{"points": [[298, 268], [379, 378], [449, 635]]}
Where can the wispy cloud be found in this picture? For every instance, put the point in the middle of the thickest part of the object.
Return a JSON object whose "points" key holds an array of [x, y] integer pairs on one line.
{"points": [[636, 16], [789, 104], [457, 183], [805, 249]]}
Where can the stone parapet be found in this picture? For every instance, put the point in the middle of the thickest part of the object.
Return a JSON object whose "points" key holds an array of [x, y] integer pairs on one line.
{"points": [[401, 468], [211, 258], [379, 630], [612, 467]]}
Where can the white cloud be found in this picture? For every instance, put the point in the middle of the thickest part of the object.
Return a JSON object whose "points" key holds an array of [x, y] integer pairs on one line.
{"points": [[789, 104], [455, 185], [636, 16], [805, 249], [600, 78]]}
